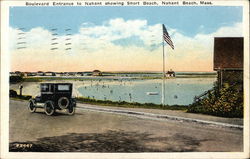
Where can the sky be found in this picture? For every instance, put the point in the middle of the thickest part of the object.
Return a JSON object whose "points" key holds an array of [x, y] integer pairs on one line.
{"points": [[118, 38]]}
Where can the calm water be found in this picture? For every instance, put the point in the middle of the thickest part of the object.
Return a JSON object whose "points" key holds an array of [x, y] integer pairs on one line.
{"points": [[179, 91]]}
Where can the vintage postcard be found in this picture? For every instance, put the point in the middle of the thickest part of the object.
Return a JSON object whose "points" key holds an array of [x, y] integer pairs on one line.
{"points": [[125, 79]]}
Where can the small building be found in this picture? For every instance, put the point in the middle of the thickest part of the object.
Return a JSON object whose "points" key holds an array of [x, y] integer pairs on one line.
{"points": [[40, 73], [25, 74], [71, 73], [49, 74], [31, 74], [17, 73], [59, 73], [97, 73], [170, 73], [228, 60], [79, 73]]}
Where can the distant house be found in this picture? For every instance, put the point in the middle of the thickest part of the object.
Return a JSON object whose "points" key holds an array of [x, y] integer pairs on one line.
{"points": [[40, 73], [25, 74], [15, 73], [170, 73], [49, 74], [71, 73], [228, 59], [18, 73], [79, 73], [59, 73], [31, 74], [96, 73], [83, 73]]}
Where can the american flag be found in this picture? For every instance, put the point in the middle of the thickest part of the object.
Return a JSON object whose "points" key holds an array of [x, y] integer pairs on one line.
{"points": [[167, 37]]}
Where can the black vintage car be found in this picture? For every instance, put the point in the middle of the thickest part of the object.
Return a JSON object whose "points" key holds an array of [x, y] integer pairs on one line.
{"points": [[54, 96]]}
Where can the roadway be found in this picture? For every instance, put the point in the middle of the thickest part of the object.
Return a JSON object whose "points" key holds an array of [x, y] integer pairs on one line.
{"points": [[91, 130]]}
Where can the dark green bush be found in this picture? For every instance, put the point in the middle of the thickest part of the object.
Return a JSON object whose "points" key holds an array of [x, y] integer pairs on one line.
{"points": [[227, 102], [12, 93], [16, 79]]}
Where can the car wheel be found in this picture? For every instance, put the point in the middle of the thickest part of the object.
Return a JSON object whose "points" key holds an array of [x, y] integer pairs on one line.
{"points": [[49, 108], [31, 106], [71, 110], [63, 102]]}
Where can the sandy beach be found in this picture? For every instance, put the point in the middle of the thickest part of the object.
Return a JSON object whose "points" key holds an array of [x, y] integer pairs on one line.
{"points": [[33, 88]]}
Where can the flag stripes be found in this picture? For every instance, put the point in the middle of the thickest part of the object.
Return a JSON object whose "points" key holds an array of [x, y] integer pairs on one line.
{"points": [[166, 37]]}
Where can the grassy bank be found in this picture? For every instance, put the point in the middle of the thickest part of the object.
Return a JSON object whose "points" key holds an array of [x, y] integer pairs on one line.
{"points": [[129, 105], [117, 104]]}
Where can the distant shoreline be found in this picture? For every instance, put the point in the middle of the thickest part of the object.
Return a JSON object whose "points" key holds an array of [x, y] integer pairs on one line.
{"points": [[122, 76]]}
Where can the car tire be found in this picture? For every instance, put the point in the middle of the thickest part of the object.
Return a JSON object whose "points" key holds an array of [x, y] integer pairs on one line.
{"points": [[71, 110], [31, 106], [49, 108], [63, 102]]}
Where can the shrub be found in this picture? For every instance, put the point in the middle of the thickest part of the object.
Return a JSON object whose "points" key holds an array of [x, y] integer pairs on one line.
{"points": [[16, 79], [12, 93], [227, 102]]}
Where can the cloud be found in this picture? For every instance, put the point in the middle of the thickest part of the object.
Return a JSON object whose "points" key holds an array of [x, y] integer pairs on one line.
{"points": [[119, 29], [116, 44], [201, 45]]}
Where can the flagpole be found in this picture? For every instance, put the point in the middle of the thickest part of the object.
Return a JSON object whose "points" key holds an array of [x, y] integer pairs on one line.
{"points": [[165, 37], [163, 75]]}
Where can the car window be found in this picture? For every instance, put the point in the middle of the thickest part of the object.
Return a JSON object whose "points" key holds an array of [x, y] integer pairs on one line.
{"points": [[45, 88], [63, 88]]}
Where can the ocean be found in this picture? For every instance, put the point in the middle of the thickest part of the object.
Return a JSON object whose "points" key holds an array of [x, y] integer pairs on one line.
{"points": [[178, 91]]}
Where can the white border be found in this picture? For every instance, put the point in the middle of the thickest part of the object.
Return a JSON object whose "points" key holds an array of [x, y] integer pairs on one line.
{"points": [[246, 79], [5, 65]]}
